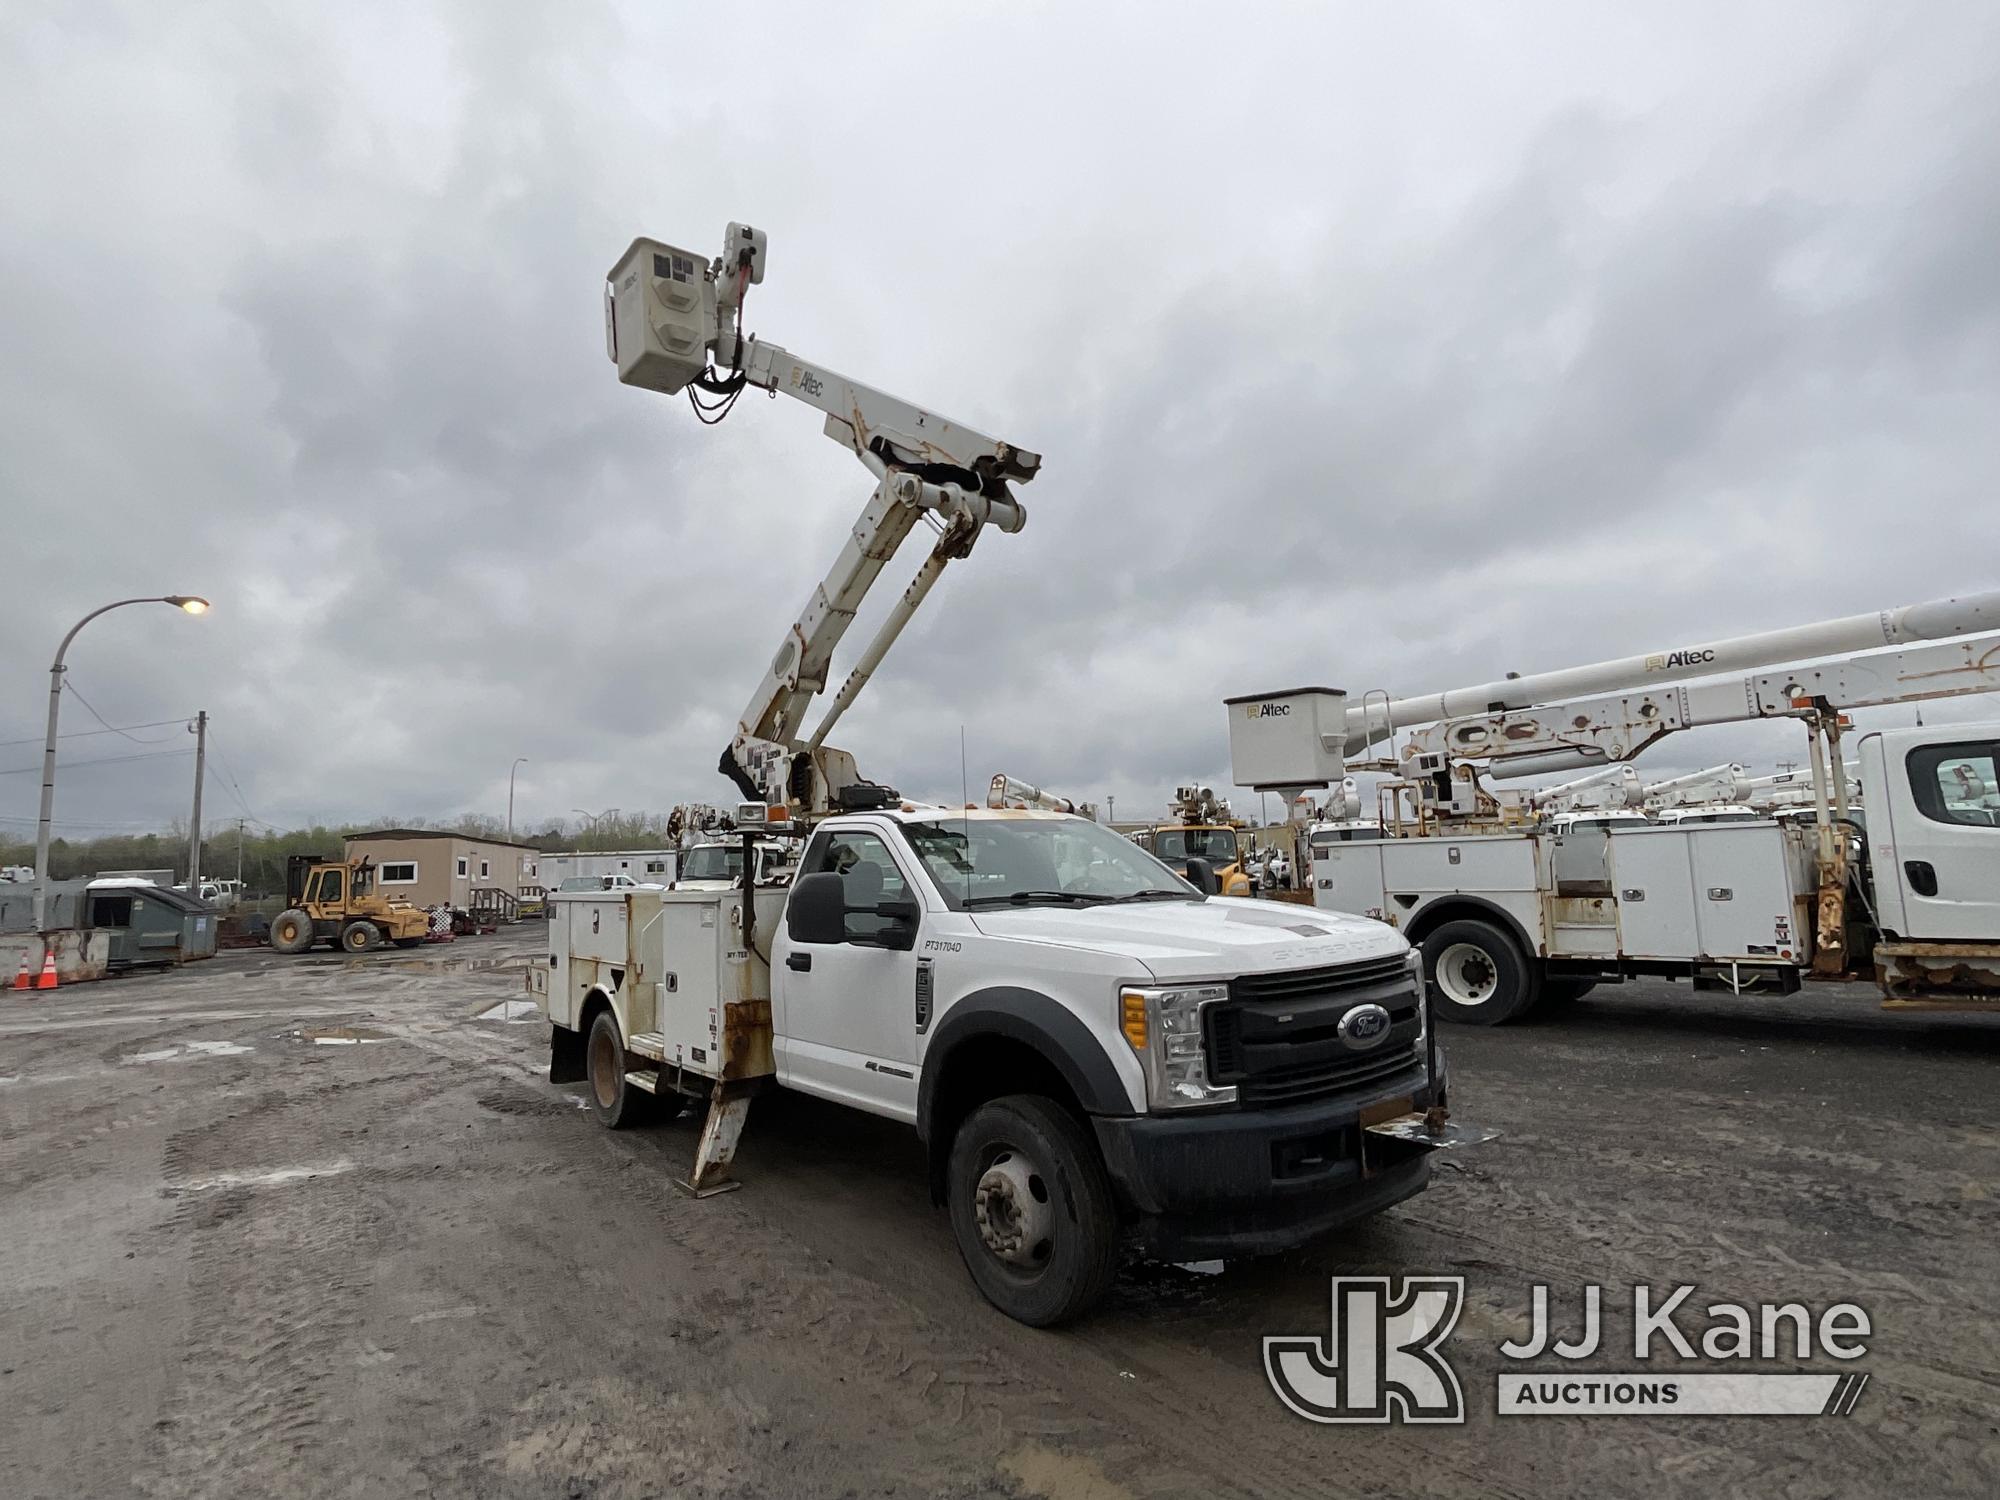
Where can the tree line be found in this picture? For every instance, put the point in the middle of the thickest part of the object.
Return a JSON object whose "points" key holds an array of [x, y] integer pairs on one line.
{"points": [[263, 850]]}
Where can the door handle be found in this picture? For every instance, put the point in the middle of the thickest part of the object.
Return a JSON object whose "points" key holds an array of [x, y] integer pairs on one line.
{"points": [[1922, 876], [803, 962]]}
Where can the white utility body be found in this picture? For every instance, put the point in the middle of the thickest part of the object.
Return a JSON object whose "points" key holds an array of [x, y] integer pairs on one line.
{"points": [[1524, 898], [1092, 1050]]}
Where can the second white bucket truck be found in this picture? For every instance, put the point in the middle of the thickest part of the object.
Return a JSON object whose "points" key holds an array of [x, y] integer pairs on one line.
{"points": [[1513, 911], [1093, 1052]]}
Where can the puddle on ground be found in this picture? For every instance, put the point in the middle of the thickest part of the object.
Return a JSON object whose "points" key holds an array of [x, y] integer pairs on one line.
{"points": [[513, 1011], [277, 1177], [190, 1049], [1182, 1288], [441, 965], [342, 1036]]}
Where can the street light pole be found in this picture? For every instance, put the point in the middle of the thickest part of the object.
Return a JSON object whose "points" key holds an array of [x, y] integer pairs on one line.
{"points": [[200, 727], [519, 761], [187, 602]]}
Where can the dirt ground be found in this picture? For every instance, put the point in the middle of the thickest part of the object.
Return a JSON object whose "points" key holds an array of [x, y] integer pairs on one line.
{"points": [[291, 1227]]}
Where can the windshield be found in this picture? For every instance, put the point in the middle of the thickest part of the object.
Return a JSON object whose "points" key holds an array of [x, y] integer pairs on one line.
{"points": [[1179, 845], [1037, 861], [713, 862]]}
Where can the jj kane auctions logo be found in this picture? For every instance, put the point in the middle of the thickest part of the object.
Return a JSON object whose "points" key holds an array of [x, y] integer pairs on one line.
{"points": [[1382, 1358]]}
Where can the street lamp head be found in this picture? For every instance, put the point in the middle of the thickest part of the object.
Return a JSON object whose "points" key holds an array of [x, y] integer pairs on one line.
{"points": [[188, 602]]}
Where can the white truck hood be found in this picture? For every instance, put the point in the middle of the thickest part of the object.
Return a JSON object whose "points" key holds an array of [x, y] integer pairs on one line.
{"points": [[1217, 938]]}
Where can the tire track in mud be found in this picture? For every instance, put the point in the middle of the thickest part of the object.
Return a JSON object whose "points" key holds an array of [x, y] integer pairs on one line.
{"points": [[928, 1359], [279, 1277]]}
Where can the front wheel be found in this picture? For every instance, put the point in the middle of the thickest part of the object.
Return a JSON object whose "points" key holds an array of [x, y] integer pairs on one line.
{"points": [[1478, 974], [1032, 1210], [360, 937]]}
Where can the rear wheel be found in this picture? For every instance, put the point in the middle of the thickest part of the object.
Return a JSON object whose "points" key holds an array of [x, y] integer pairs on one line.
{"points": [[360, 937], [409, 942], [1032, 1210], [292, 931], [1478, 974], [617, 1104]]}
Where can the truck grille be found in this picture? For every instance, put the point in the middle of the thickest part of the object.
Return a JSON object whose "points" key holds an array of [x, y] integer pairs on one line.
{"points": [[1277, 1036]]}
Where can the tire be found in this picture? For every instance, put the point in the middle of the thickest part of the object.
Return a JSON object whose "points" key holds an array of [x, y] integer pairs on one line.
{"points": [[409, 942], [1024, 1169], [1478, 974], [617, 1105], [360, 937], [292, 931]]}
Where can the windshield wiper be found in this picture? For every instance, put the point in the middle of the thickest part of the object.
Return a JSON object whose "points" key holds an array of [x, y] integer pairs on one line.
{"points": [[1154, 895], [1035, 898]]}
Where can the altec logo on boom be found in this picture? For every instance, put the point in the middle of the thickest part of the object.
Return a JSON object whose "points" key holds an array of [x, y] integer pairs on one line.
{"points": [[1266, 710], [1666, 661], [1382, 1358]]}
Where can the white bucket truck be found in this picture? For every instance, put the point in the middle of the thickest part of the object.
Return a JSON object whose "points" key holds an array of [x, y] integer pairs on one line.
{"points": [[1092, 1050], [1516, 908]]}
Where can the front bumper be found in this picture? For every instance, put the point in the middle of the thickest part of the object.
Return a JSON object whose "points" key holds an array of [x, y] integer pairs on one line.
{"points": [[1261, 1181]]}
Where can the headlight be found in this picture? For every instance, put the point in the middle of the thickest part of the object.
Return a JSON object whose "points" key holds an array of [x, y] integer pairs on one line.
{"points": [[1164, 1027]]}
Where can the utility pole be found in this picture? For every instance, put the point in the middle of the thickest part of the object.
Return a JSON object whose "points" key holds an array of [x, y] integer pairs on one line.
{"points": [[200, 731], [519, 761], [1110, 809], [239, 855]]}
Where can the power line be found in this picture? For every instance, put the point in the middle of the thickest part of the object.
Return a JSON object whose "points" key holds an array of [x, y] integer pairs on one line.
{"points": [[235, 790], [84, 734], [139, 823], [69, 683], [102, 760]]}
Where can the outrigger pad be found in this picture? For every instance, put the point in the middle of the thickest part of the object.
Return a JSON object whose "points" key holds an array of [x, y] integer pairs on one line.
{"points": [[1419, 1129], [728, 1108]]}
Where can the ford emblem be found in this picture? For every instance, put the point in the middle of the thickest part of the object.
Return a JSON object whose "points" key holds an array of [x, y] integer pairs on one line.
{"points": [[1363, 1027]]}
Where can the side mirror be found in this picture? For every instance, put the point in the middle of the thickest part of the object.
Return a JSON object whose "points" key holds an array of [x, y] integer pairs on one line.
{"points": [[816, 911], [901, 931], [1201, 875]]}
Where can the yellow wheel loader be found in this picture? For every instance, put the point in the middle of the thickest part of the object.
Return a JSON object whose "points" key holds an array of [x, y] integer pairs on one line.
{"points": [[327, 901]]}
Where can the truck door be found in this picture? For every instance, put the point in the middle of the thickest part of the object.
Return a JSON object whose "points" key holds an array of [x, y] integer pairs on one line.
{"points": [[845, 1013], [1943, 853]]}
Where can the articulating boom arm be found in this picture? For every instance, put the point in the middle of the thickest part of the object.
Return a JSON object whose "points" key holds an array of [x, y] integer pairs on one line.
{"points": [[1717, 784], [1376, 717], [666, 314], [1589, 732]]}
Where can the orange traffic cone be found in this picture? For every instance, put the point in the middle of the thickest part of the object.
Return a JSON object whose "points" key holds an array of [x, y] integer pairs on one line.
{"points": [[21, 980], [48, 979]]}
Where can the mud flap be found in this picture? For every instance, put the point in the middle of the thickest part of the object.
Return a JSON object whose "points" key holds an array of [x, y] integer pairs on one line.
{"points": [[728, 1108], [565, 1055]]}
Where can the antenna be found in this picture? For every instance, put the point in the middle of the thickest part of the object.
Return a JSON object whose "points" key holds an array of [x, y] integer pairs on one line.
{"points": [[965, 812]]}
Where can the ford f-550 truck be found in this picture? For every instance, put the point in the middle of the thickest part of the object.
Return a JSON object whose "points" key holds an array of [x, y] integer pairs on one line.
{"points": [[1093, 1052]]}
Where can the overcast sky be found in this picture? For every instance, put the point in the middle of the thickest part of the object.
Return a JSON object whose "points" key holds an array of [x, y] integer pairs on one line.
{"points": [[1389, 347]]}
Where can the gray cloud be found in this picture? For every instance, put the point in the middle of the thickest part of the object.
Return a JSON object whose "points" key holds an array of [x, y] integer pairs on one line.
{"points": [[1391, 349]]}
